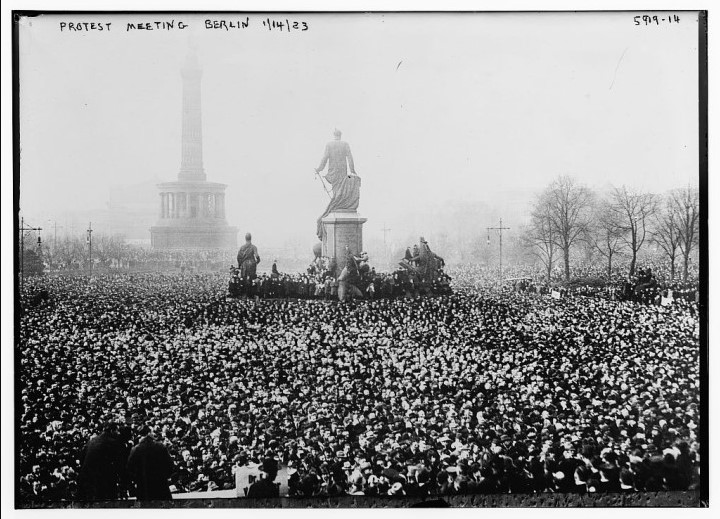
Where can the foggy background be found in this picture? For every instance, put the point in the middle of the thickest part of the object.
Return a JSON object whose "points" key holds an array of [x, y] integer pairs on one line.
{"points": [[455, 120]]}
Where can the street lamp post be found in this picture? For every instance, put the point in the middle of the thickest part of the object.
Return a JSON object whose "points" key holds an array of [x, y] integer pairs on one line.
{"points": [[385, 230], [23, 231], [89, 242], [500, 230], [55, 230]]}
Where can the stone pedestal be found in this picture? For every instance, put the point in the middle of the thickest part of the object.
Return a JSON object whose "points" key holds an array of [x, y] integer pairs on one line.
{"points": [[192, 216], [342, 228]]}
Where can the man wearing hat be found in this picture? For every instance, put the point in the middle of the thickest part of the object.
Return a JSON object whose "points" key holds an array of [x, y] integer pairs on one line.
{"points": [[103, 465], [265, 487], [150, 467]]}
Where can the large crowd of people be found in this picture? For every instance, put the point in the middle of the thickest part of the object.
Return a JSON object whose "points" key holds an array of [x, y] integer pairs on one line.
{"points": [[322, 284], [419, 274], [478, 391], [111, 254], [376, 285], [651, 283]]}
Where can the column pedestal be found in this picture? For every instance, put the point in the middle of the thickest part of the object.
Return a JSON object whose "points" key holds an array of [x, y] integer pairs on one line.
{"points": [[342, 228]]}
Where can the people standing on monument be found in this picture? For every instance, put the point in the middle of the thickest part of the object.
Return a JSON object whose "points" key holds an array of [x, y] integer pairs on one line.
{"points": [[426, 261], [351, 264], [415, 254], [345, 187], [247, 259]]}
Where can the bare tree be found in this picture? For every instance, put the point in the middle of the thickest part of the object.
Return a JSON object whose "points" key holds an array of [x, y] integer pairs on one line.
{"points": [[666, 233], [605, 235], [569, 208], [633, 210], [686, 206], [539, 236]]}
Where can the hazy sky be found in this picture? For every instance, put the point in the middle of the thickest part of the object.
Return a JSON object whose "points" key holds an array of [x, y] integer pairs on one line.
{"points": [[437, 108]]}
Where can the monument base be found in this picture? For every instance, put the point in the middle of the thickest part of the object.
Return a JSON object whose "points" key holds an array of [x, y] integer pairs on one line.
{"points": [[341, 229]]}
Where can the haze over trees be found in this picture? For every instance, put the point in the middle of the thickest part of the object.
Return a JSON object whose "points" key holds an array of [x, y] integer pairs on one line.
{"points": [[568, 218], [605, 234], [633, 210], [568, 206], [685, 205], [569, 229], [666, 234], [539, 237]]}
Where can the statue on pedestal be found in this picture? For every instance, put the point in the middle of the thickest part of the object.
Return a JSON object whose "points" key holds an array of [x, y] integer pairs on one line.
{"points": [[345, 187], [247, 259]]}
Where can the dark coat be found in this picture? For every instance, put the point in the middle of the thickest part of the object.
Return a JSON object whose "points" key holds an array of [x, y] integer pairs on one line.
{"points": [[102, 467], [263, 489], [150, 466]]}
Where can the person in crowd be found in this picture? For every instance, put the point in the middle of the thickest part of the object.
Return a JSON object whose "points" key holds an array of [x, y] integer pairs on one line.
{"points": [[150, 467], [265, 487], [102, 465]]}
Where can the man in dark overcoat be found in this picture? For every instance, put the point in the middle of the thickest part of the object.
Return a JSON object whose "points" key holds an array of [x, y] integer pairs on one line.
{"points": [[150, 466], [102, 466]]}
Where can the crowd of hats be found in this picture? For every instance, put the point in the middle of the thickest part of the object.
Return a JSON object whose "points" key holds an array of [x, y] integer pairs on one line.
{"points": [[112, 253], [589, 279], [619, 290], [478, 391]]}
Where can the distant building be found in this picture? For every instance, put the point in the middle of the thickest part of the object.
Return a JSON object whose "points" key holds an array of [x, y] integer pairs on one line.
{"points": [[131, 209], [134, 198], [192, 210]]}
